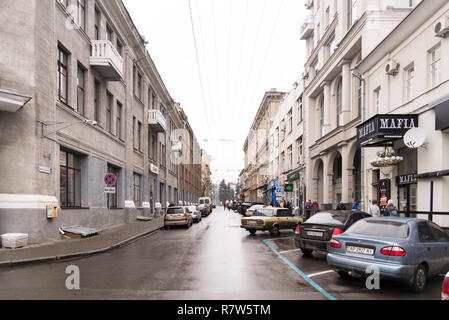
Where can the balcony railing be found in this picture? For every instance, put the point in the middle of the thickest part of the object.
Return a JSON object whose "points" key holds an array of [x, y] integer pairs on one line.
{"points": [[156, 121], [307, 28], [106, 59]]}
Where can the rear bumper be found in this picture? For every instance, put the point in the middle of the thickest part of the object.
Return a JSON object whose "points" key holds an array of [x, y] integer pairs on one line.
{"points": [[248, 227], [176, 222], [318, 245], [392, 271]]}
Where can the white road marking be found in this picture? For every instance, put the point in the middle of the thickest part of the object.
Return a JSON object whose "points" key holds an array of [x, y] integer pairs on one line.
{"points": [[289, 251], [320, 273]]}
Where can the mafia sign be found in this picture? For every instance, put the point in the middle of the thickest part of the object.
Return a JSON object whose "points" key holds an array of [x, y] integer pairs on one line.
{"points": [[407, 179], [385, 128]]}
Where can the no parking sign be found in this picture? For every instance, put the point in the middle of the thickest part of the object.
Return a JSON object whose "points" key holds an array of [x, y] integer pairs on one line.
{"points": [[110, 179]]}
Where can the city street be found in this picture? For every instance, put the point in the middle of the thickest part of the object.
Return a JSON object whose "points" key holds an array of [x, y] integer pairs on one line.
{"points": [[212, 260]]}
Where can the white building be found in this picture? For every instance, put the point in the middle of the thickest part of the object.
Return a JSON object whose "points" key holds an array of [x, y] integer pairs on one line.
{"points": [[407, 77]]}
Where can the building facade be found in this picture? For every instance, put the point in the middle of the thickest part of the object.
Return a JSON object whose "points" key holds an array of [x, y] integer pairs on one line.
{"points": [[98, 105], [339, 34], [406, 86]]}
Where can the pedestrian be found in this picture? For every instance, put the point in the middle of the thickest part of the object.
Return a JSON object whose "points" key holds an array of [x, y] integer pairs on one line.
{"points": [[315, 207], [391, 210], [374, 209], [356, 206], [341, 206], [224, 205]]}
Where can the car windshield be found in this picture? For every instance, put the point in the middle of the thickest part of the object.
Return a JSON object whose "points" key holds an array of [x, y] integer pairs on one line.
{"points": [[332, 218], [259, 206], [175, 210], [192, 208], [380, 228], [263, 213]]}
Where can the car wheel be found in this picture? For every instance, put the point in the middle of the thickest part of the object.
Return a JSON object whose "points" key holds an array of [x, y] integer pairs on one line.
{"points": [[307, 252], [165, 227], [419, 279], [253, 232], [188, 225], [275, 231], [343, 274]]}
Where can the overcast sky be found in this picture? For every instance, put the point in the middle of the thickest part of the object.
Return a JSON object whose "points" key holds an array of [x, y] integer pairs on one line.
{"points": [[245, 48]]}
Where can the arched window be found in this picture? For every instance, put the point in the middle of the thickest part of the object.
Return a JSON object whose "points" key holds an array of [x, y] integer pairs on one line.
{"points": [[339, 101]]}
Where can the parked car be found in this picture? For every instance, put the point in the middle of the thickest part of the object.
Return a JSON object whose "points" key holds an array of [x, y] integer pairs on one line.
{"points": [[316, 232], [178, 216], [206, 201], [204, 210], [246, 205], [445, 289], [403, 249], [270, 219], [196, 214], [249, 212]]}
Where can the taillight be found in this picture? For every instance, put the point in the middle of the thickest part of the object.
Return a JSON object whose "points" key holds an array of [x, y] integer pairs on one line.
{"points": [[393, 251], [244, 222], [185, 215], [260, 222], [297, 231], [445, 291], [335, 244], [337, 232], [165, 216]]}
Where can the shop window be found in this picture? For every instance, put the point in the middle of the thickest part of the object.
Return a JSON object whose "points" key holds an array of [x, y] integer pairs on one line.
{"points": [[70, 180]]}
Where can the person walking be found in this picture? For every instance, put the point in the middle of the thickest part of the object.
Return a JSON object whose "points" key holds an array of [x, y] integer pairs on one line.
{"points": [[391, 210], [315, 207], [374, 209], [341, 206], [356, 206], [224, 205]]}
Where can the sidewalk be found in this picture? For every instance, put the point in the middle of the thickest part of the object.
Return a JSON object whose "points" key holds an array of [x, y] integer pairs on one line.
{"points": [[108, 239]]}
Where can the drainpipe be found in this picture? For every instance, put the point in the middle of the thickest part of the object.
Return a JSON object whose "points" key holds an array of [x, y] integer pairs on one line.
{"points": [[362, 151]]}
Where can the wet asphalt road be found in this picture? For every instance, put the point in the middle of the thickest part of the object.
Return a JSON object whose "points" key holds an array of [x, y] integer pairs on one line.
{"points": [[213, 260]]}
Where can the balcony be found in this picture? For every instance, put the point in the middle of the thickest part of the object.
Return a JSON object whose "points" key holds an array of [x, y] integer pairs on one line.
{"points": [[307, 28], [106, 60], [156, 121]]}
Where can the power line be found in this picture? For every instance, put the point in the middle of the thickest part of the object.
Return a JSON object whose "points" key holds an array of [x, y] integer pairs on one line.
{"points": [[198, 65]]}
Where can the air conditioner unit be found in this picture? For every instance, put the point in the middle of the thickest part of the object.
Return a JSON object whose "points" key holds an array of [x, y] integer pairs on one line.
{"points": [[392, 68], [441, 28]]}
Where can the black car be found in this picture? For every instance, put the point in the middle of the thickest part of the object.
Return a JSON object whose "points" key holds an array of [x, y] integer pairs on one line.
{"points": [[315, 233], [246, 205], [204, 210]]}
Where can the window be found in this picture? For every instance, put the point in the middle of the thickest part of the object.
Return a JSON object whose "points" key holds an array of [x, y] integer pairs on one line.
{"points": [[119, 119], [113, 197], [139, 85], [153, 147], [290, 121], [352, 12], [409, 82], [109, 103], [137, 180], [327, 17], [97, 23], [359, 96], [163, 155], [435, 66], [97, 101], [299, 149], [377, 100], [331, 46], [81, 13], [290, 157], [315, 68], [300, 110], [70, 179], [134, 132], [339, 101], [109, 33], [139, 135], [153, 101], [80, 90], [120, 48], [62, 75]]}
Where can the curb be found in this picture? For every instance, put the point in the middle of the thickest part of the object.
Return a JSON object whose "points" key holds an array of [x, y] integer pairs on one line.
{"points": [[60, 258]]}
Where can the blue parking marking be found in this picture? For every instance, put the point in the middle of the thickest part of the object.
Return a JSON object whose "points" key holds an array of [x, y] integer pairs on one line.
{"points": [[302, 274]]}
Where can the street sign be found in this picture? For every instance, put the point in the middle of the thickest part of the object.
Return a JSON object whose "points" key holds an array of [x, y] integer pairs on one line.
{"points": [[110, 179], [109, 190]]}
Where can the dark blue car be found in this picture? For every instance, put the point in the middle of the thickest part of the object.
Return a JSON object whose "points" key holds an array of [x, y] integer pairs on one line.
{"points": [[404, 249]]}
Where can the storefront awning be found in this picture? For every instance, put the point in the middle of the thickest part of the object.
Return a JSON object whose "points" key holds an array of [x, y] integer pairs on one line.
{"points": [[12, 101], [384, 129]]}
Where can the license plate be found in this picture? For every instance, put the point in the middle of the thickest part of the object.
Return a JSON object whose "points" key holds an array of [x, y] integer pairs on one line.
{"points": [[315, 234], [252, 223], [360, 250]]}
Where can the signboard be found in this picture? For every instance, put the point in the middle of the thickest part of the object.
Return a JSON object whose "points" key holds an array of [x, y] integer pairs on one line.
{"points": [[288, 188], [442, 116], [110, 179], [281, 179], [260, 193], [293, 176], [45, 170], [384, 193], [109, 190], [279, 190], [407, 179], [385, 128], [154, 169]]}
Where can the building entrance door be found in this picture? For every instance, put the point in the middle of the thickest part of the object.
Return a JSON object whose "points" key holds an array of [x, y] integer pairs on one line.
{"points": [[408, 199]]}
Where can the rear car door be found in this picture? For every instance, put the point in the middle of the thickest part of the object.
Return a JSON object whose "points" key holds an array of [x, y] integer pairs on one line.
{"points": [[441, 247], [284, 218], [428, 249]]}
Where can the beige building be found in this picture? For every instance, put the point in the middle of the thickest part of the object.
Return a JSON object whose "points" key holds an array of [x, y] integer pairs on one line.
{"points": [[98, 105], [406, 85], [257, 147], [339, 34]]}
